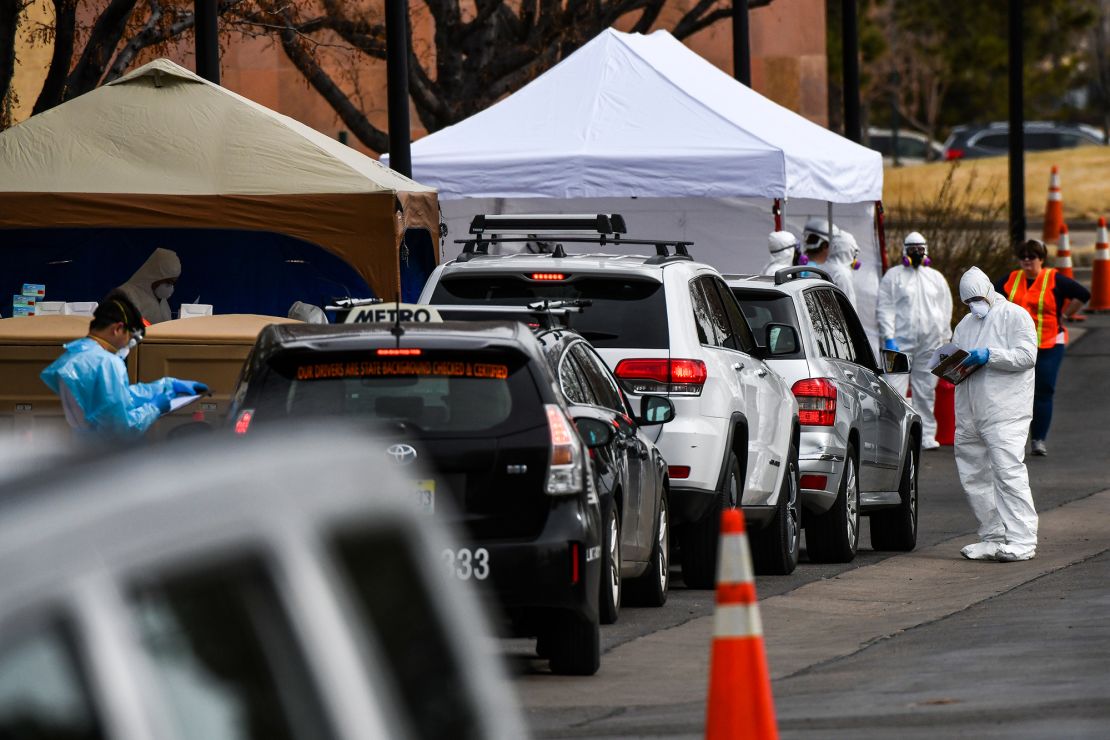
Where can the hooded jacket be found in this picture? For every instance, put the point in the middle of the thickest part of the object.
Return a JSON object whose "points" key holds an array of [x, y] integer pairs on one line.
{"points": [[162, 264], [1001, 393], [843, 251]]}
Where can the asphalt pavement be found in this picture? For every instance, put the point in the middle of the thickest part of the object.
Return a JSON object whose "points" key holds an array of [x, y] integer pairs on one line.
{"points": [[923, 644]]}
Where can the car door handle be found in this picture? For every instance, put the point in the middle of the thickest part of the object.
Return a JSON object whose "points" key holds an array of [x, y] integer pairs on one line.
{"points": [[737, 366], [762, 373], [850, 374]]}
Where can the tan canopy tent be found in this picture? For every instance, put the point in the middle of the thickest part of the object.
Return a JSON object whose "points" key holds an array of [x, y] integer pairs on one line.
{"points": [[163, 148]]}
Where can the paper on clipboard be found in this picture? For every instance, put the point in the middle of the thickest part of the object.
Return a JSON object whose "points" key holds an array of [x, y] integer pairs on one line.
{"points": [[946, 363], [180, 402]]}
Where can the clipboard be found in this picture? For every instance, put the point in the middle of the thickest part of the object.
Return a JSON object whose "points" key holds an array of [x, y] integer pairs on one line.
{"points": [[181, 402], [946, 363]]}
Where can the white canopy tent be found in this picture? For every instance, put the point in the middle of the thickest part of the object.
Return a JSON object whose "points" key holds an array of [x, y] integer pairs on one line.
{"points": [[642, 126]]}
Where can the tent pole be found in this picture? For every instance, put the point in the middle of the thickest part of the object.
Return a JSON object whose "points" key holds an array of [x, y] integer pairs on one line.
{"points": [[830, 222], [397, 85]]}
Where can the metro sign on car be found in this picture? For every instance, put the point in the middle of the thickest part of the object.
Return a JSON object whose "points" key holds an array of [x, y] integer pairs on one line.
{"points": [[387, 313]]}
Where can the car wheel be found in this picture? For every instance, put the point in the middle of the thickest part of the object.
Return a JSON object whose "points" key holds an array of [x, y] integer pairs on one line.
{"points": [[650, 589], [575, 647], [776, 547], [833, 537], [609, 604], [699, 539], [896, 529]]}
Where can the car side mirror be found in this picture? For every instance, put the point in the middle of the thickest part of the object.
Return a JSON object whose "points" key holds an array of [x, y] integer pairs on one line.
{"points": [[781, 339], [895, 363], [594, 432], [655, 410]]}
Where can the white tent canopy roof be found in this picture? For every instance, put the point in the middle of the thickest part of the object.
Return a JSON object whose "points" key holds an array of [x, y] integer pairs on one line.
{"points": [[634, 115], [210, 141]]}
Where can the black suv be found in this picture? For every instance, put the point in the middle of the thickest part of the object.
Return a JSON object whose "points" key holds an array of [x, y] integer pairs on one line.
{"points": [[479, 404]]}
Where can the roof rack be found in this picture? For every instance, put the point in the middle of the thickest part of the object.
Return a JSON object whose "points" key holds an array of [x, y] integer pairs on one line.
{"points": [[602, 228], [787, 274], [543, 314]]}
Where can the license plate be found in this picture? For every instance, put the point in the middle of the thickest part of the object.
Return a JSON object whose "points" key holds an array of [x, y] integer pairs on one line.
{"points": [[426, 495]]}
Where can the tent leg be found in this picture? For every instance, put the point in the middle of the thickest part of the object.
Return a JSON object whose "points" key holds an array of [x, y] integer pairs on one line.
{"points": [[830, 221]]}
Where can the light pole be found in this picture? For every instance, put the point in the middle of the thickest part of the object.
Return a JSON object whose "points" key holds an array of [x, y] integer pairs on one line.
{"points": [[206, 13], [397, 82], [741, 43], [1017, 126]]}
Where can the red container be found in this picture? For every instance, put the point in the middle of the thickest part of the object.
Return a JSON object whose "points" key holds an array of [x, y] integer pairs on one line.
{"points": [[945, 411]]}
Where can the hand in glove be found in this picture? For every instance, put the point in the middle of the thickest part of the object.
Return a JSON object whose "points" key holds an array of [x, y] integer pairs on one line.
{"points": [[189, 387], [890, 344], [977, 357], [162, 401]]}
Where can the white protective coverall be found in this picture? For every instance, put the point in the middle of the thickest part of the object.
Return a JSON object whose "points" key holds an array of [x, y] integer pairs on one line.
{"points": [[163, 264], [843, 251], [994, 406], [915, 310], [783, 246]]}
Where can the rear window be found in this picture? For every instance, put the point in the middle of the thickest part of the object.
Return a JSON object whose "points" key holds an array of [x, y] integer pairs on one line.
{"points": [[624, 312], [762, 307], [445, 392]]}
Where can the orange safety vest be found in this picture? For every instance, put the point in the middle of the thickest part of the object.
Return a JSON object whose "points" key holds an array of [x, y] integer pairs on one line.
{"points": [[1040, 301]]}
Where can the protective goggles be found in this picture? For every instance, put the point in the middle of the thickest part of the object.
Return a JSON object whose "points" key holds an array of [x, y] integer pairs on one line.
{"points": [[1029, 256], [813, 242]]}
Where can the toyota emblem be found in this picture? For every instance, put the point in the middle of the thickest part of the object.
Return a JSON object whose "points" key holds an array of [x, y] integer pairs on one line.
{"points": [[402, 454]]}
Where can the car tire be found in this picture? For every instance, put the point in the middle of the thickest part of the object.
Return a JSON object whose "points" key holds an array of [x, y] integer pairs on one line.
{"points": [[777, 547], [896, 529], [699, 539], [833, 537], [575, 647], [609, 600], [650, 589]]}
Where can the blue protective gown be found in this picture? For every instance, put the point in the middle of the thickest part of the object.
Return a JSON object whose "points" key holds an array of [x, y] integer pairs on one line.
{"points": [[97, 380]]}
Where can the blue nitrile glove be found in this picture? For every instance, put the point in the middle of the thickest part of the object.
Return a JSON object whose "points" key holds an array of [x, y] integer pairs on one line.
{"points": [[977, 357], [890, 344], [189, 388], [162, 401]]}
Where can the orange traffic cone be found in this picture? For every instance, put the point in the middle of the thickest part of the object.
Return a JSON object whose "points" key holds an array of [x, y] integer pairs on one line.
{"points": [[1063, 254], [1054, 208], [1100, 271], [740, 704]]}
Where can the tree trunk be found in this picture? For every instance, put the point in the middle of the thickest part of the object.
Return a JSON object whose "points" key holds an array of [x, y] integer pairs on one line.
{"points": [[9, 22], [102, 43], [65, 30]]}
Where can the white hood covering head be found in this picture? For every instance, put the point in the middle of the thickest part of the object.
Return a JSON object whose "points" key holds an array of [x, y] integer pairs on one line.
{"points": [[779, 241], [163, 264], [914, 239], [976, 284], [843, 249]]}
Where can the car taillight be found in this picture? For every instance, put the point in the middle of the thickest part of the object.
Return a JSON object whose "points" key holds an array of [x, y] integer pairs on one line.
{"points": [[660, 375], [400, 352], [564, 469], [950, 154], [678, 471], [814, 482], [816, 401], [556, 276], [243, 423]]}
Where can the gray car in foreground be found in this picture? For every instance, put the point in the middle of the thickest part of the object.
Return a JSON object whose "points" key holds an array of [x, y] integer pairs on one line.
{"points": [[283, 587], [860, 440]]}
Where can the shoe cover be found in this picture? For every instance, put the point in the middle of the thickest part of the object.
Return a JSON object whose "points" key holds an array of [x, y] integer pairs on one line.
{"points": [[1010, 554], [981, 551], [929, 444]]}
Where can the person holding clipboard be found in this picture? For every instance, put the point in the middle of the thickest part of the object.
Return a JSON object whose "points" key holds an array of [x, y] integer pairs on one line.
{"points": [[91, 376], [994, 405]]}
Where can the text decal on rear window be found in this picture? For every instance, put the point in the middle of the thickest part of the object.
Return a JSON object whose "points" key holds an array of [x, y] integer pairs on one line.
{"points": [[387, 368]]}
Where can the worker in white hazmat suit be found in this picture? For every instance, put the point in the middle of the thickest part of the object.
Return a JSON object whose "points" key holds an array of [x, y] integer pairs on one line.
{"points": [[843, 260], [152, 284], [915, 317], [994, 406], [783, 247]]}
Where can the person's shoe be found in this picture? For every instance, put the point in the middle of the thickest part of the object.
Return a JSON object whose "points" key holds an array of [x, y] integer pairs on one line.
{"points": [[929, 444], [1008, 554], [981, 551], [1039, 448]]}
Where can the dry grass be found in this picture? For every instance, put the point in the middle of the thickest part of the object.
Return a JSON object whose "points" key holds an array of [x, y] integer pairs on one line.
{"points": [[1084, 183]]}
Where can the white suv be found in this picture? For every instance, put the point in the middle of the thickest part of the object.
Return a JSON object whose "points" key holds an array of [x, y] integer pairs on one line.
{"points": [[666, 325]]}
